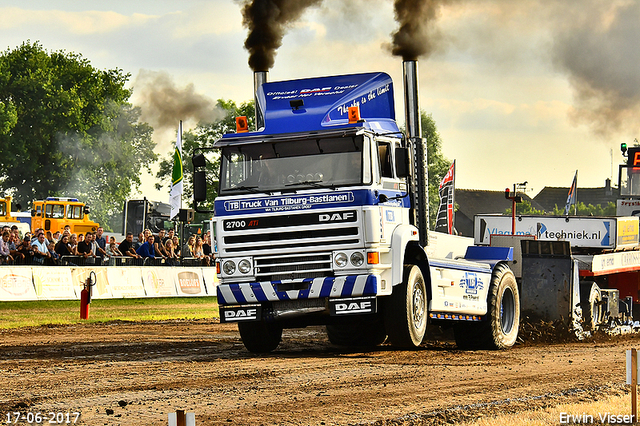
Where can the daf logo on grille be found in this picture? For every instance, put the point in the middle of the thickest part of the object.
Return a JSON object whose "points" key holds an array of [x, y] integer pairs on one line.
{"points": [[336, 217]]}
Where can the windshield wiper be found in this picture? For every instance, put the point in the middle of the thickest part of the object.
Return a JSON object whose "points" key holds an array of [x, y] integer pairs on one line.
{"points": [[314, 183], [253, 189]]}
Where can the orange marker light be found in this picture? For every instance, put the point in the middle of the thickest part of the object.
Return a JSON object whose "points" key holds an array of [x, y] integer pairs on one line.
{"points": [[354, 114], [373, 258], [242, 126], [218, 268]]}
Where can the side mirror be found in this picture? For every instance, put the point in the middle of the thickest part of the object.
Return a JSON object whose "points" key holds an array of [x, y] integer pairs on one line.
{"points": [[199, 177], [403, 168], [198, 160], [199, 185], [86, 209]]}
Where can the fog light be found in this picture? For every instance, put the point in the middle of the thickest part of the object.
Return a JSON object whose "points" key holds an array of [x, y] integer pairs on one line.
{"points": [[340, 260], [357, 259], [244, 266], [229, 267]]}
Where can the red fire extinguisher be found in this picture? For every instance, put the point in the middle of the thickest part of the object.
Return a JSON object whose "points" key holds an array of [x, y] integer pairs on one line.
{"points": [[85, 295]]}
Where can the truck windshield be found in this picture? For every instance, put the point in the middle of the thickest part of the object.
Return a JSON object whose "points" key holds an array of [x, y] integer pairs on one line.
{"points": [[309, 163]]}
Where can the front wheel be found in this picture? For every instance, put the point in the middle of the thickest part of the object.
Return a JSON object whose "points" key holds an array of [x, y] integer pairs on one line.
{"points": [[405, 313], [260, 336]]}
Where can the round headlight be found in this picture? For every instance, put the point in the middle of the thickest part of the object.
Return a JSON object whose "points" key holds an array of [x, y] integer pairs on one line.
{"points": [[341, 260], [357, 259], [229, 267], [244, 266]]}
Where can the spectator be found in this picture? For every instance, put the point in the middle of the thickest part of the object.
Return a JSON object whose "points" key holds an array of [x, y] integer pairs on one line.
{"points": [[80, 238], [170, 235], [14, 243], [112, 248], [176, 246], [158, 245], [5, 252], [73, 244], [101, 241], [127, 247], [84, 250], [40, 250], [188, 248], [56, 237], [49, 237], [206, 245], [25, 249], [63, 248], [140, 242], [55, 257], [172, 257], [198, 252], [146, 250], [95, 248]]}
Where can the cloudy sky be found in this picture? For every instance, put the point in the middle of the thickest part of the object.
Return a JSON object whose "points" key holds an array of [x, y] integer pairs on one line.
{"points": [[520, 91]]}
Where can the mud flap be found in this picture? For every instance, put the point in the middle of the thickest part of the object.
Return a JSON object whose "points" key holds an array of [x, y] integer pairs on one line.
{"points": [[240, 313], [353, 306]]}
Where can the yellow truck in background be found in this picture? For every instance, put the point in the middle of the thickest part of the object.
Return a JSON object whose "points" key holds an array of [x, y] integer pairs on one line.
{"points": [[6, 219], [54, 213]]}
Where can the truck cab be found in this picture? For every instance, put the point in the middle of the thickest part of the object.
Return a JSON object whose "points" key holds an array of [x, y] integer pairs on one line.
{"points": [[54, 213], [315, 224]]}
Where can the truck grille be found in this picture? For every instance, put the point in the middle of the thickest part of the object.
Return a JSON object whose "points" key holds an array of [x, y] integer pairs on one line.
{"points": [[276, 268]]}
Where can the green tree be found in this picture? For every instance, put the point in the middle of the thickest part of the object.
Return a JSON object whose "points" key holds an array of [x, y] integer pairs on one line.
{"points": [[525, 207], [203, 136], [588, 210], [67, 129], [438, 164]]}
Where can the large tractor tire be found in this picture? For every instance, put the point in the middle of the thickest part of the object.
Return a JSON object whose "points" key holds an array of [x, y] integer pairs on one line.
{"points": [[357, 332], [590, 298], [405, 311], [500, 329], [260, 336]]}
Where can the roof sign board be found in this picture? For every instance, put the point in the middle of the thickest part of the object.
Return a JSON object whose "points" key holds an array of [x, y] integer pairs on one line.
{"points": [[580, 231]]}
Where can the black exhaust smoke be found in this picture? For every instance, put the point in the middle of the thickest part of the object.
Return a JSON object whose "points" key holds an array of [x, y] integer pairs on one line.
{"points": [[267, 22]]}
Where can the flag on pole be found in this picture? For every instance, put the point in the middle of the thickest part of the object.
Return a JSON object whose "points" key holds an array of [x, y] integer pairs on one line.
{"points": [[175, 197], [444, 220], [572, 197]]}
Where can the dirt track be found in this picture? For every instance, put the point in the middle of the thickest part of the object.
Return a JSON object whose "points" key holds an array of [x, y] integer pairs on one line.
{"points": [[136, 373]]}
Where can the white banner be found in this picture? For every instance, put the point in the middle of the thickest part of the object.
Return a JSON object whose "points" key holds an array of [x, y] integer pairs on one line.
{"points": [[158, 283], [17, 284], [52, 282]]}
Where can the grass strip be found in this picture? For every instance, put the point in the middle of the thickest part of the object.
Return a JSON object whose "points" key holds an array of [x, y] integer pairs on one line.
{"points": [[45, 312]]}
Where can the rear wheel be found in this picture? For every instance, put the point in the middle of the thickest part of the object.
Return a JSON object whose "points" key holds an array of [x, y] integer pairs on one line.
{"points": [[260, 336], [500, 329], [405, 313]]}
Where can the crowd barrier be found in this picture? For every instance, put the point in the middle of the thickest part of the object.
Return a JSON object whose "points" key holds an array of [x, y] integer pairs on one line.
{"points": [[66, 282]]}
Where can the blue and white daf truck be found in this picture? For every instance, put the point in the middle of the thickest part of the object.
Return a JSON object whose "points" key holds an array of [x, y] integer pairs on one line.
{"points": [[321, 219]]}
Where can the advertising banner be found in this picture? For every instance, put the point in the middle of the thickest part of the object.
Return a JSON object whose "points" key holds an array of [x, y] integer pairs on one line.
{"points": [[52, 282], [16, 284], [158, 282], [125, 282]]}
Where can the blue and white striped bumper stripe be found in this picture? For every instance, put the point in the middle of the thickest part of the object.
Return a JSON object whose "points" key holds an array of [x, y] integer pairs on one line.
{"points": [[346, 286]]}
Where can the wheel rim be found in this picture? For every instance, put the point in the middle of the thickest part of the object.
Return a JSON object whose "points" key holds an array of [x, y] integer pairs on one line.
{"points": [[418, 306], [507, 311]]}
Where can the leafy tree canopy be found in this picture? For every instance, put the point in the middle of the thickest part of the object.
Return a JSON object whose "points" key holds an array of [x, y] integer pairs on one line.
{"points": [[582, 209], [203, 136], [438, 164], [67, 129]]}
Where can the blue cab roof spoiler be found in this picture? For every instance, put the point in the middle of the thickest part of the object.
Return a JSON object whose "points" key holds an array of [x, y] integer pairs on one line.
{"points": [[321, 104]]}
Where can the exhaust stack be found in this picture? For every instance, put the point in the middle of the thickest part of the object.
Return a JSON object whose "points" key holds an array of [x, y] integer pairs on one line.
{"points": [[420, 177], [259, 78]]}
